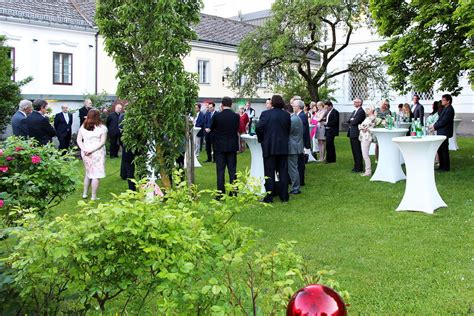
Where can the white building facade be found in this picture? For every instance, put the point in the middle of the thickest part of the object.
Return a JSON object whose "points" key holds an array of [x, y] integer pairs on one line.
{"points": [[64, 54]]}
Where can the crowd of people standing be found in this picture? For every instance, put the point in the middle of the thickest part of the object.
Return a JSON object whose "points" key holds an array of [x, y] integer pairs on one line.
{"points": [[286, 130]]}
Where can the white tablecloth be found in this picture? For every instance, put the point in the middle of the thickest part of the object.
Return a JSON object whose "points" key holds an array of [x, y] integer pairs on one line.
{"points": [[453, 141], [421, 193], [256, 165], [388, 167], [196, 161]]}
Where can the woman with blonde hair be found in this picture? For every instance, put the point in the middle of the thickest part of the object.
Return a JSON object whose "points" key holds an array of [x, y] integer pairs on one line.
{"points": [[321, 118], [91, 140], [366, 138], [407, 113]]}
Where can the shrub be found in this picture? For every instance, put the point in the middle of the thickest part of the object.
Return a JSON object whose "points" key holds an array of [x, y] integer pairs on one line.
{"points": [[180, 254], [33, 177]]}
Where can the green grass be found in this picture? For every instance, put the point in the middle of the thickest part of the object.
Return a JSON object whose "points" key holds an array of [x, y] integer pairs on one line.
{"points": [[390, 262]]}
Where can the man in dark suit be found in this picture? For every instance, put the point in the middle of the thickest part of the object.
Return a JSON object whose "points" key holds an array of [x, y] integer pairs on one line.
{"points": [[63, 126], [417, 109], [199, 122], [207, 128], [331, 131], [113, 130], [225, 128], [38, 125], [273, 130], [357, 117], [306, 138], [19, 118], [444, 126], [84, 110]]}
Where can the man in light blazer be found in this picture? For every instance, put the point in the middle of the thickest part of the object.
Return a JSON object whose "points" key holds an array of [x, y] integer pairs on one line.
{"points": [[19, 118], [295, 148], [63, 127]]}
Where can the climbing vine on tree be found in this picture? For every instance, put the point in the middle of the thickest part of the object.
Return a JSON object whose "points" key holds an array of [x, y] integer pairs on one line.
{"points": [[148, 41]]}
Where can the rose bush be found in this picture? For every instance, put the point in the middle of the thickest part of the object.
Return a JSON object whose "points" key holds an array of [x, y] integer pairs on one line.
{"points": [[33, 176]]}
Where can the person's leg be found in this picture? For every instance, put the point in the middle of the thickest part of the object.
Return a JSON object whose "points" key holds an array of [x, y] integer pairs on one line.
{"points": [[94, 187], [208, 147], [322, 149], [87, 182], [231, 160], [293, 172], [365, 154], [353, 150], [301, 168], [443, 152], [329, 149], [282, 163], [358, 155], [220, 171], [269, 170]]}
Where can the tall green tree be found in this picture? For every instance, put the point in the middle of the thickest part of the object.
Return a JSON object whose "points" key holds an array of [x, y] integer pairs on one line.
{"points": [[305, 36], [429, 42], [9, 89], [148, 41]]}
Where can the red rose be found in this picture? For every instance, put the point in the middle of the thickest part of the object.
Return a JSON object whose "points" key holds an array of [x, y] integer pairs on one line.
{"points": [[10, 158], [18, 148], [1, 203], [35, 159], [3, 169], [1, 152]]}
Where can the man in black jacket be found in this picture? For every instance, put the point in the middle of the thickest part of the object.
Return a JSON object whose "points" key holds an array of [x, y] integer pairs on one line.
{"points": [[331, 131], [113, 130], [38, 125], [273, 130], [357, 117], [84, 110], [417, 109], [63, 126], [225, 128], [444, 126]]}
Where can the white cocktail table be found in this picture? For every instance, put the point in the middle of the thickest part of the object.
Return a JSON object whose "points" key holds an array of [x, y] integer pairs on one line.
{"points": [[256, 165], [388, 167], [453, 141], [309, 151], [421, 193], [196, 161]]}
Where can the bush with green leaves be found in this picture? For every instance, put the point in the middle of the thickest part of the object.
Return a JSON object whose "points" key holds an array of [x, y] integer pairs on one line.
{"points": [[33, 177], [180, 254]]}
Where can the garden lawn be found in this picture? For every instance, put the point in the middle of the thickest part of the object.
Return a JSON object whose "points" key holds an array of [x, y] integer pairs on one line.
{"points": [[390, 262]]}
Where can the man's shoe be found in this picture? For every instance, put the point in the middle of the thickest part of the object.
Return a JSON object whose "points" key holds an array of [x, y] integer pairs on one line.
{"points": [[266, 200], [295, 192]]}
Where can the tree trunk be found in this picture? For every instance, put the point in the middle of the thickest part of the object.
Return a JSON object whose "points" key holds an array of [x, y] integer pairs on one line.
{"points": [[313, 91], [165, 176]]}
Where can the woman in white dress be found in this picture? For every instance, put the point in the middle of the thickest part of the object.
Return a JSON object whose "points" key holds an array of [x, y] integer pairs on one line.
{"points": [[91, 140]]}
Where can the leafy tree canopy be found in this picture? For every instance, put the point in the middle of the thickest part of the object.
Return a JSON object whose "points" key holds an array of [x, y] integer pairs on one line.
{"points": [[303, 36], [9, 89], [428, 41], [148, 40]]}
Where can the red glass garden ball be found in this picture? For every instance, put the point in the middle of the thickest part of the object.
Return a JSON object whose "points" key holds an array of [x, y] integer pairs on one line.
{"points": [[316, 300]]}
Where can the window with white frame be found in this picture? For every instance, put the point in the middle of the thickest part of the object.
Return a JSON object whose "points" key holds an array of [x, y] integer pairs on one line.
{"points": [[261, 80], [203, 71], [11, 56], [62, 68], [242, 78], [358, 86]]}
